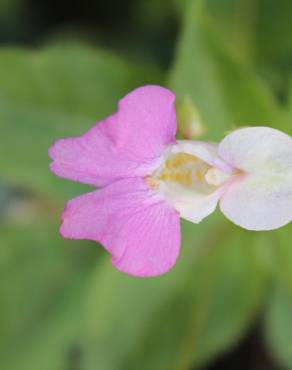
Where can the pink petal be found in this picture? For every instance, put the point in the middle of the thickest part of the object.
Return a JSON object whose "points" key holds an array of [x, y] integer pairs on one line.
{"points": [[126, 144], [261, 199], [133, 223]]}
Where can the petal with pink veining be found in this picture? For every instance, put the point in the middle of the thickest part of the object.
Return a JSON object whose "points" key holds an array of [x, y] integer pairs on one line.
{"points": [[127, 144], [132, 222]]}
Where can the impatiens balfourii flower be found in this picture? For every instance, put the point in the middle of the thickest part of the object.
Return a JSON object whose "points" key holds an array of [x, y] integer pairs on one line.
{"points": [[147, 180]]}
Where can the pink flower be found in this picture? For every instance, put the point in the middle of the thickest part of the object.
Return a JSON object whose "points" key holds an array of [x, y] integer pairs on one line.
{"points": [[149, 180]]}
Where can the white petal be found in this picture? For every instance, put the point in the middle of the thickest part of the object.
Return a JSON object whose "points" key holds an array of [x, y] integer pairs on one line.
{"points": [[206, 151], [255, 149], [196, 209], [262, 198], [256, 203]]}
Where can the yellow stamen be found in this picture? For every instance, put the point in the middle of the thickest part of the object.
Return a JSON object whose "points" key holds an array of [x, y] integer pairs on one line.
{"points": [[183, 169], [189, 178], [200, 174]]}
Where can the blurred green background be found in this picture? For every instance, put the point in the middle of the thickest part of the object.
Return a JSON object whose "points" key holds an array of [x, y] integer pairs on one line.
{"points": [[228, 302]]}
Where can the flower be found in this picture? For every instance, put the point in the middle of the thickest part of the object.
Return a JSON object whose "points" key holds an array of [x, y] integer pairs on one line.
{"points": [[148, 180]]}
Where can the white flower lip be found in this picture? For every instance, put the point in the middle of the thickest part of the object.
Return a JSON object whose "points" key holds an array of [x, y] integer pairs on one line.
{"points": [[262, 200]]}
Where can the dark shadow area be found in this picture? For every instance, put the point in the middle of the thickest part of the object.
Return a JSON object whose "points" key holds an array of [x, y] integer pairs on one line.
{"points": [[249, 354], [129, 26]]}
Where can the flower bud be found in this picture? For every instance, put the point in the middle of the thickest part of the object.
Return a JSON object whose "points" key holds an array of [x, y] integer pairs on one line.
{"points": [[190, 123]]}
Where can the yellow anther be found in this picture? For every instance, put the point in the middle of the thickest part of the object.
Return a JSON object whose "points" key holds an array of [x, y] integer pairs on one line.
{"points": [[200, 174], [173, 176], [178, 177], [185, 178], [163, 176], [189, 178], [168, 163], [178, 160], [180, 168]]}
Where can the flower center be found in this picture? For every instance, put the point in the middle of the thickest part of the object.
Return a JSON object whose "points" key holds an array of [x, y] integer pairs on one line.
{"points": [[184, 174], [183, 169]]}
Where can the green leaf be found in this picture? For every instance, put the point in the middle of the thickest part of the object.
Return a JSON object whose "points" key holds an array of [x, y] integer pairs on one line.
{"points": [[54, 93], [235, 21], [62, 305], [274, 43], [187, 316], [69, 78], [278, 325], [42, 279], [37, 261], [24, 160], [278, 318], [289, 102], [245, 26], [226, 92]]}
